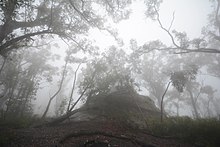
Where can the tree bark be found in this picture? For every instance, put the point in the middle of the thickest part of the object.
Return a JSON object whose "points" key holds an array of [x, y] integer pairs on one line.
{"points": [[60, 87], [196, 114], [161, 104], [73, 87], [5, 48], [3, 65]]}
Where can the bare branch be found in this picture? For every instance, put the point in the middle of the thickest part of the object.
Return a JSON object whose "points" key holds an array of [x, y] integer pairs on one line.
{"points": [[4, 48], [109, 5], [172, 21], [83, 4], [161, 104], [64, 41], [90, 23], [79, 98], [73, 86], [55, 94], [51, 16], [77, 43], [216, 16], [177, 47], [166, 30], [79, 12]]}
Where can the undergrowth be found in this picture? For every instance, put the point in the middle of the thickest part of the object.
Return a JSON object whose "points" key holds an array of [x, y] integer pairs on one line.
{"points": [[9, 124], [198, 132]]}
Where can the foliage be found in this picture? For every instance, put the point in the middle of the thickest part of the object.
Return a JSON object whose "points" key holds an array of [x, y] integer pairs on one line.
{"points": [[184, 71], [180, 78], [153, 74], [21, 22], [180, 42], [198, 132], [21, 78], [111, 72]]}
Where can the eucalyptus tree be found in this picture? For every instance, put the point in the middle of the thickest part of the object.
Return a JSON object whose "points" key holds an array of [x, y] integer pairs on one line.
{"points": [[160, 70], [108, 72], [209, 101], [161, 61], [111, 72], [180, 41], [21, 79], [24, 21]]}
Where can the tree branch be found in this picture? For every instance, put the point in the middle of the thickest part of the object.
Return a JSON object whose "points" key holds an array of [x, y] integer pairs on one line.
{"points": [[82, 94], [73, 87], [161, 104], [89, 22], [36, 22], [60, 87], [162, 27], [78, 11], [216, 16], [177, 47], [4, 48], [172, 21]]}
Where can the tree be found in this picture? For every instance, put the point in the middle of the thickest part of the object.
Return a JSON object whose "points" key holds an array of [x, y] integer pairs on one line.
{"points": [[207, 60], [57, 92], [154, 75], [23, 21], [161, 105], [209, 92], [21, 78], [73, 86], [181, 43], [184, 78], [214, 66], [113, 72], [70, 59]]}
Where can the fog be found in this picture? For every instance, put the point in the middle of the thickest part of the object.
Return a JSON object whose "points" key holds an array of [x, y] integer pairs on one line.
{"points": [[137, 43], [110, 73]]}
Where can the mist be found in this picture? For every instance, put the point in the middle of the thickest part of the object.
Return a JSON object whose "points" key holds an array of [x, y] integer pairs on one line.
{"points": [[138, 63]]}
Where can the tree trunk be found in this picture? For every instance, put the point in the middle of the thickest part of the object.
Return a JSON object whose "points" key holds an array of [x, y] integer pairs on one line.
{"points": [[73, 88], [61, 118], [3, 65], [25, 102], [161, 104], [60, 86], [196, 114], [78, 99]]}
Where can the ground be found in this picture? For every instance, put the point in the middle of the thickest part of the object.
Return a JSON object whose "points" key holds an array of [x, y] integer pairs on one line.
{"points": [[86, 134]]}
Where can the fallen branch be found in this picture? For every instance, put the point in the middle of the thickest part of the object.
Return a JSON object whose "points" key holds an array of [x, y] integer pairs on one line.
{"points": [[61, 118]]}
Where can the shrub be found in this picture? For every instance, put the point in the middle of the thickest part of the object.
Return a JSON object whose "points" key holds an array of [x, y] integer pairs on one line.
{"points": [[199, 132]]}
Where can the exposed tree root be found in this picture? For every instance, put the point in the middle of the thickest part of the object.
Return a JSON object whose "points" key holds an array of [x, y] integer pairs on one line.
{"points": [[106, 134]]}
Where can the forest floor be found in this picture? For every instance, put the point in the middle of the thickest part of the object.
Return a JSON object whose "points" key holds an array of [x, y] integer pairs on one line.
{"points": [[84, 134]]}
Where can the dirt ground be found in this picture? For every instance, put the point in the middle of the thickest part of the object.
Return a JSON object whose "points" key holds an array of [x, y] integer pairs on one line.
{"points": [[86, 134]]}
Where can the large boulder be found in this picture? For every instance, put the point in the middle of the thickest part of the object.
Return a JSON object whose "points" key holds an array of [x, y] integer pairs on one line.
{"points": [[126, 106]]}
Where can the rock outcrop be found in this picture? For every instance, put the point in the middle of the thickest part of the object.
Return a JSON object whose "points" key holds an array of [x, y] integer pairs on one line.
{"points": [[126, 106]]}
